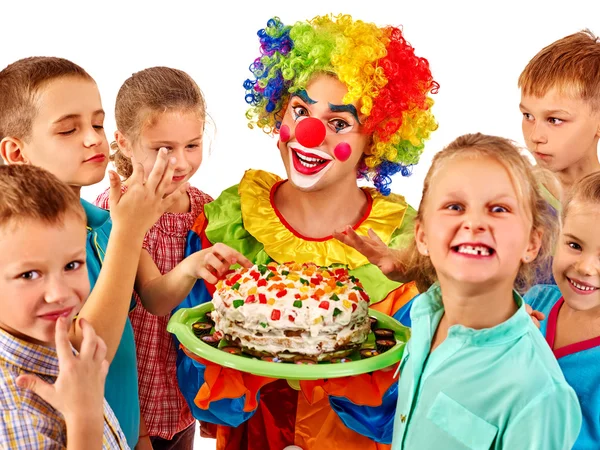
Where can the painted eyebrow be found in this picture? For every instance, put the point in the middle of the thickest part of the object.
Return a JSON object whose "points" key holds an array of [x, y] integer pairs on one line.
{"points": [[345, 108], [302, 94]]}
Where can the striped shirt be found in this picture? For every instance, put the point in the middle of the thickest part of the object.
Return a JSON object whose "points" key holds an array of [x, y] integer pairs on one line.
{"points": [[29, 422]]}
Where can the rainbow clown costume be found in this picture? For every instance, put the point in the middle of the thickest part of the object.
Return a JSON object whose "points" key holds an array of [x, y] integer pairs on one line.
{"points": [[348, 100]]}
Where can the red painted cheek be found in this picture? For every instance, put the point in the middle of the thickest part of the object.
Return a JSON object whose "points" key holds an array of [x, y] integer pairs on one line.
{"points": [[284, 133], [342, 151]]}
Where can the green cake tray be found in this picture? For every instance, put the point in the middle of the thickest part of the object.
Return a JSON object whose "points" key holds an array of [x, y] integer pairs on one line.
{"points": [[181, 326]]}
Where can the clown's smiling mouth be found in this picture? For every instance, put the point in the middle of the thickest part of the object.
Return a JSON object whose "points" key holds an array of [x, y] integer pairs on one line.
{"points": [[308, 164]]}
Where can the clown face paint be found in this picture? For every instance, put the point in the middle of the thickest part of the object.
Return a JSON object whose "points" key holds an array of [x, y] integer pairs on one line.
{"points": [[284, 133], [321, 141], [342, 151], [309, 165]]}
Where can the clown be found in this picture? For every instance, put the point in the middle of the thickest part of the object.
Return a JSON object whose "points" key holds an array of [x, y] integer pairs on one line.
{"points": [[348, 100]]}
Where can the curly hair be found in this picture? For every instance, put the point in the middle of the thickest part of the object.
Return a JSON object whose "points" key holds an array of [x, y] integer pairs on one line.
{"points": [[378, 67]]}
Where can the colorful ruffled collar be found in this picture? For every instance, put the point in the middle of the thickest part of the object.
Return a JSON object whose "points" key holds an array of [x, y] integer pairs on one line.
{"points": [[282, 243]]}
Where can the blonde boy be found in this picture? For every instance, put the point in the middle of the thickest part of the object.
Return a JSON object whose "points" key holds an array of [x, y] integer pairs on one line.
{"points": [[50, 397], [560, 102]]}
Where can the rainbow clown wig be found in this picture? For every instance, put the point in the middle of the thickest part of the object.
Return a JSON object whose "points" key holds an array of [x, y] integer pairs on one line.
{"points": [[380, 70]]}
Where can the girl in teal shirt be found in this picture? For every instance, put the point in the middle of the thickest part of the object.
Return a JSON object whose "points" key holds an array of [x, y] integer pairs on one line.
{"points": [[476, 372]]}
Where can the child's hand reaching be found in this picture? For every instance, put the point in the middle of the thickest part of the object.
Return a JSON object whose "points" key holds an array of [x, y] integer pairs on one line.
{"points": [[209, 264], [145, 201], [214, 262], [78, 393], [536, 316], [375, 250]]}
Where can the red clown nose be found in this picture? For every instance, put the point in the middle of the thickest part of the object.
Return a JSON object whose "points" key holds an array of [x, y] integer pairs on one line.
{"points": [[310, 132]]}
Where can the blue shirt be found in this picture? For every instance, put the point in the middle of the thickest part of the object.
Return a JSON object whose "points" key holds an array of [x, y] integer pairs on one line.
{"points": [[579, 362], [121, 389], [495, 388]]}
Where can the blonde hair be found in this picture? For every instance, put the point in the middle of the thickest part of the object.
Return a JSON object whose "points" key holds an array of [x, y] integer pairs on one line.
{"points": [[20, 85], [585, 190], [571, 64], [523, 175], [147, 94]]}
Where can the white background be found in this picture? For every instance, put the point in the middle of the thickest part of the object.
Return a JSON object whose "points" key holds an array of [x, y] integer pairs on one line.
{"points": [[476, 51]]}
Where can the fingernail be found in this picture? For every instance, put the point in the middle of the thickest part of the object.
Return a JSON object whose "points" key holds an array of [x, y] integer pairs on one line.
{"points": [[173, 160], [163, 150]]}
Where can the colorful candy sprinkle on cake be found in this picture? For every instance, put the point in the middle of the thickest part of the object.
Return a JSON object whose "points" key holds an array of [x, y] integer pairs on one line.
{"points": [[292, 309]]}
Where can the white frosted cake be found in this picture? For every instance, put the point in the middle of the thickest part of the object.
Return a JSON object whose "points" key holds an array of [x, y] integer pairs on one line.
{"points": [[292, 309]]}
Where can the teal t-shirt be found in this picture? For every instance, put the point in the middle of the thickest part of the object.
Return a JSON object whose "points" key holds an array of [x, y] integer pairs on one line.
{"points": [[121, 388], [495, 388]]}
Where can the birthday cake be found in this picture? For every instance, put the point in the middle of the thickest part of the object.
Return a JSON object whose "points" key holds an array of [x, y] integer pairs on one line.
{"points": [[292, 310]]}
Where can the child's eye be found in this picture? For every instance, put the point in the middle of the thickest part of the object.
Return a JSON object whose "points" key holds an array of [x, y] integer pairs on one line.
{"points": [[169, 149], [299, 111], [99, 127], [574, 245], [31, 275], [73, 265], [555, 121], [499, 209], [192, 146], [66, 133], [339, 124], [454, 207], [527, 116]]}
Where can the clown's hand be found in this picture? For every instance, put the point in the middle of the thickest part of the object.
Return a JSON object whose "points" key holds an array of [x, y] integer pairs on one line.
{"points": [[389, 260]]}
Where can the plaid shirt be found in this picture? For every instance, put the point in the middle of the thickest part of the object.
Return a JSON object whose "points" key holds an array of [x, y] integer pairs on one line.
{"points": [[163, 408], [28, 422]]}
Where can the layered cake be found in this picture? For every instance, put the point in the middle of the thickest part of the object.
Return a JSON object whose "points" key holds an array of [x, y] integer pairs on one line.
{"points": [[292, 310]]}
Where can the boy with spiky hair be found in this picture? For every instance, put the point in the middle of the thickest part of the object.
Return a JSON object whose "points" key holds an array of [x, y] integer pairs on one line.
{"points": [[560, 102]]}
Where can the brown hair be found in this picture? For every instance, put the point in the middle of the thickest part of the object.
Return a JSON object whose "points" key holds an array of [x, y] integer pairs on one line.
{"points": [[523, 175], [585, 190], [148, 93], [30, 192], [20, 84], [571, 64]]}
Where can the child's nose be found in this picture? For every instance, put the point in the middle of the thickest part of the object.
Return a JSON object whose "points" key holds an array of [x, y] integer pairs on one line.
{"points": [[474, 222], [93, 137], [538, 135], [56, 290], [588, 265]]}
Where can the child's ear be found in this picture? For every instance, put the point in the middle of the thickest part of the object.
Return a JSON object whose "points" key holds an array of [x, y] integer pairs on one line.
{"points": [[421, 239], [123, 144], [11, 150], [535, 243]]}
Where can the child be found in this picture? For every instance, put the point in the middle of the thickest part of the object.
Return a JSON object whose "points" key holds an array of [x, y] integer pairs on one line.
{"points": [[51, 397], [560, 102], [476, 373], [572, 308], [158, 108], [51, 116], [347, 99]]}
